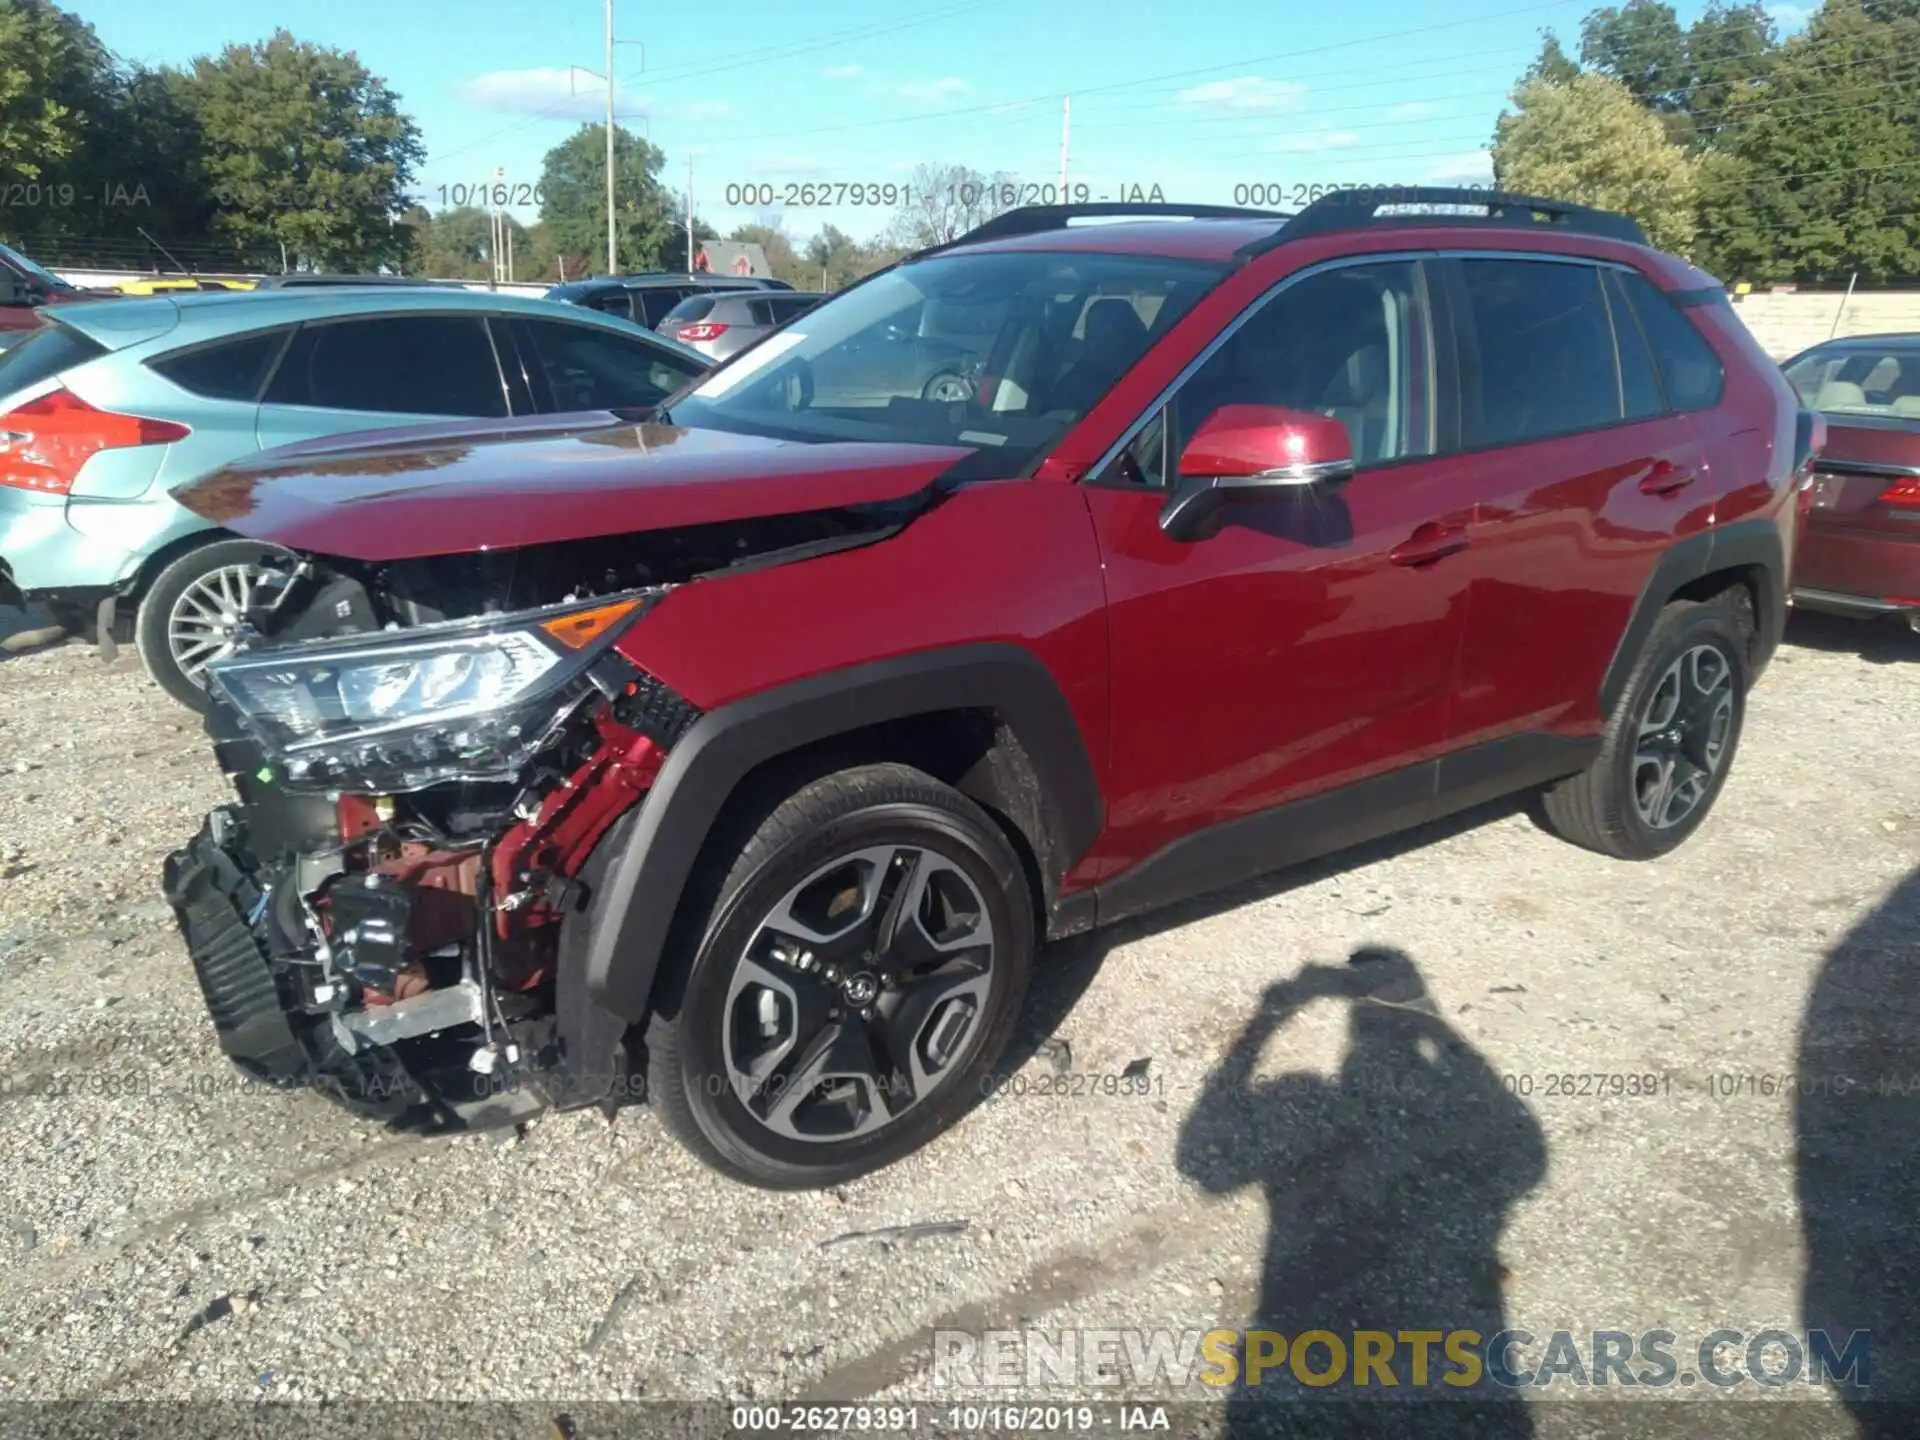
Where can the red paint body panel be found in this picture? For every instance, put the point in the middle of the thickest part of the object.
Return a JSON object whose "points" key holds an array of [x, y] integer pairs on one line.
{"points": [[1309, 643], [486, 489], [1852, 542]]}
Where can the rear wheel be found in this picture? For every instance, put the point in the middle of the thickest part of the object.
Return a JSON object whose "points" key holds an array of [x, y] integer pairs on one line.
{"points": [[191, 614], [860, 967], [1668, 744]]}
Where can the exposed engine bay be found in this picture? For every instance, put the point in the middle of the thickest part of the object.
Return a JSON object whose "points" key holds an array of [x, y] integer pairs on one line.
{"points": [[427, 756]]}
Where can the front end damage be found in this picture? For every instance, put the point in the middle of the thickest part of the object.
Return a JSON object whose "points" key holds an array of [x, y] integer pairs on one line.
{"points": [[395, 910]]}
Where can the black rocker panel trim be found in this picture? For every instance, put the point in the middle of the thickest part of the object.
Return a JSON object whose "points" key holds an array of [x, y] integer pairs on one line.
{"points": [[1744, 544], [1303, 830], [649, 874]]}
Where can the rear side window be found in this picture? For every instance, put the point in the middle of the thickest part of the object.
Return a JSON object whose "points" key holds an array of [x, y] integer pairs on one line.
{"points": [[690, 310], [651, 307], [785, 309], [1545, 343], [617, 302], [587, 368], [44, 354], [1639, 378], [231, 370], [394, 365], [1691, 370], [761, 312]]}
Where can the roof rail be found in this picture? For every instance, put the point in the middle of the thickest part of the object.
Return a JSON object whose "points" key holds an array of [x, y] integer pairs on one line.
{"points": [[1032, 219], [1356, 209]]}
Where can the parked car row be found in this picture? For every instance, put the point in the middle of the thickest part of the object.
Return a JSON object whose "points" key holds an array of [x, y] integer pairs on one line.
{"points": [[743, 757], [110, 405]]}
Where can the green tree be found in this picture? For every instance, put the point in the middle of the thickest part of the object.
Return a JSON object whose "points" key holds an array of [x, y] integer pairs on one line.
{"points": [[307, 154], [1817, 175], [1641, 45], [51, 71], [1729, 49], [1552, 63], [573, 179], [1590, 141], [945, 201]]}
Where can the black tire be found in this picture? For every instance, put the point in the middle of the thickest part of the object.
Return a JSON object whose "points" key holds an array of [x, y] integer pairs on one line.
{"points": [[157, 605], [1600, 808], [741, 884]]}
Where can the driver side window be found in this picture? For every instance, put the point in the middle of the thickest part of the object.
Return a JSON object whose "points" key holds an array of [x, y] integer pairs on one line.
{"points": [[1353, 343]]}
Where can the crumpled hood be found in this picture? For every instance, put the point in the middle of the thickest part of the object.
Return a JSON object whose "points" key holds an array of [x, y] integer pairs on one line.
{"points": [[489, 485]]}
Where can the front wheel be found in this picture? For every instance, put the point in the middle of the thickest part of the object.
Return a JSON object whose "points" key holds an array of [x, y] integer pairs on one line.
{"points": [[191, 614], [1668, 743], [862, 965]]}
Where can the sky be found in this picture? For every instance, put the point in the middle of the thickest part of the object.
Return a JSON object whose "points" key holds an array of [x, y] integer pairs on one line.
{"points": [[1233, 103]]}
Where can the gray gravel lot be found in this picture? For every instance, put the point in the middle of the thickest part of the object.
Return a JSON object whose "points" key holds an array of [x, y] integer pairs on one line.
{"points": [[166, 1233]]}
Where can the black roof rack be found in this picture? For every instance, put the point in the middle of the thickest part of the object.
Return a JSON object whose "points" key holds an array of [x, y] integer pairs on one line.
{"points": [[1357, 209], [1032, 219]]}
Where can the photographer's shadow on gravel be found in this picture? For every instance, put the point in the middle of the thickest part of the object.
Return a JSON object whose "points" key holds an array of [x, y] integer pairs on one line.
{"points": [[1387, 1188], [1857, 1166]]}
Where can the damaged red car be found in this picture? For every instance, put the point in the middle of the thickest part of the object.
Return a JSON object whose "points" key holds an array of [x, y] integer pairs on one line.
{"points": [[743, 754]]}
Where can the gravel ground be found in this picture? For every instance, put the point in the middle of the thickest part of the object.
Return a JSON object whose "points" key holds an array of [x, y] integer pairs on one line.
{"points": [[166, 1233]]}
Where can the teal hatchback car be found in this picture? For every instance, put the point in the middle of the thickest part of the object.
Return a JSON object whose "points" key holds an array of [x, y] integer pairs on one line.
{"points": [[111, 405]]}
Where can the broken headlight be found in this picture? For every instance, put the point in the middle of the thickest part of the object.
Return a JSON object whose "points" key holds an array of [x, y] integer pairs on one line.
{"points": [[466, 700]]}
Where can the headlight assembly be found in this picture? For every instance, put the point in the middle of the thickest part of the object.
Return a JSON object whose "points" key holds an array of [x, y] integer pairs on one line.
{"points": [[465, 700]]}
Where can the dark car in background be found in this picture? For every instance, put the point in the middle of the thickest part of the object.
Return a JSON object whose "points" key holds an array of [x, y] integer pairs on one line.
{"points": [[647, 299], [721, 325], [1859, 550]]}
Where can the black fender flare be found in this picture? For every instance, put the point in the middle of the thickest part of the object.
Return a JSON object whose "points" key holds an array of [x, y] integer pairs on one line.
{"points": [[649, 874], [1755, 545]]}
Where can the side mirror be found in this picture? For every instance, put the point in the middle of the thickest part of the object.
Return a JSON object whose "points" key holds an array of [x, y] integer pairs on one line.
{"points": [[1255, 452]]}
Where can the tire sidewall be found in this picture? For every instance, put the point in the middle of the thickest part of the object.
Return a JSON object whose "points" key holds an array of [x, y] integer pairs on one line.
{"points": [[1698, 626], [703, 1077], [156, 609]]}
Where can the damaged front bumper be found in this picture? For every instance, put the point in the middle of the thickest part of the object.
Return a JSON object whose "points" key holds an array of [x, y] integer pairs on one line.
{"points": [[285, 1016], [420, 958]]}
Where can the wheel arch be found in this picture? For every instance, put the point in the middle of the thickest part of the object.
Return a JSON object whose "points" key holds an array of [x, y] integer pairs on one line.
{"points": [[1749, 553], [988, 719]]}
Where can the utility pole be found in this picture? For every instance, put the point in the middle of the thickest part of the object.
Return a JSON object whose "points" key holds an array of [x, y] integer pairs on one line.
{"points": [[613, 259], [1066, 125], [689, 212]]}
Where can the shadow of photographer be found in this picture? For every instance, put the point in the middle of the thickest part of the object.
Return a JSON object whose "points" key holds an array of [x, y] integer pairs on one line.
{"points": [[1387, 1187]]}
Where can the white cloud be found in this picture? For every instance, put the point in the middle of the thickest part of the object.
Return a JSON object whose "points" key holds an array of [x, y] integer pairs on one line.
{"points": [[1314, 144], [1247, 92], [1475, 168], [562, 94], [842, 72], [925, 92], [1413, 110]]}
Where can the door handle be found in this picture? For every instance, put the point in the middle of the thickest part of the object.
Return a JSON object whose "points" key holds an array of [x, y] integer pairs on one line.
{"points": [[1428, 544], [1665, 478]]}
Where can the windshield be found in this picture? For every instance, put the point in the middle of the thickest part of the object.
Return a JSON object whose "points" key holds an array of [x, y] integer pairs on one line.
{"points": [[1004, 352], [1860, 379], [39, 272]]}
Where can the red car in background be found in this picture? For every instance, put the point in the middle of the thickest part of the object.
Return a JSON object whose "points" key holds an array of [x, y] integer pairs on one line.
{"points": [[1859, 549], [25, 288]]}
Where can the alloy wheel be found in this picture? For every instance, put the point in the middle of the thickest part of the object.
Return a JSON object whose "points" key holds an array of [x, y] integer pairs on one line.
{"points": [[860, 994], [1683, 736], [205, 620]]}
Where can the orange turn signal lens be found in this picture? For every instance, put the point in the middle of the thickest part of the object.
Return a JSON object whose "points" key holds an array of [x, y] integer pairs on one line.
{"points": [[583, 627]]}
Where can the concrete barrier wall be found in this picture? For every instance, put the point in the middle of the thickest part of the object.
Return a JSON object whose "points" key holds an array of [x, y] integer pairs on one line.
{"points": [[1787, 324]]}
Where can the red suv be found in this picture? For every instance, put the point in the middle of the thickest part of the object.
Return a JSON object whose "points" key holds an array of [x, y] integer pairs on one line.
{"points": [[746, 753]]}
